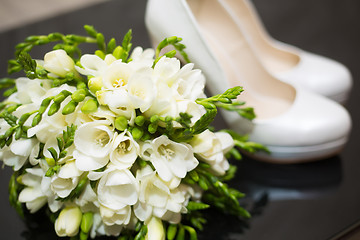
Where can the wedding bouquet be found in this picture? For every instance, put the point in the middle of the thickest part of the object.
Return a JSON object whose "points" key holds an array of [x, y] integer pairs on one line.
{"points": [[117, 142]]}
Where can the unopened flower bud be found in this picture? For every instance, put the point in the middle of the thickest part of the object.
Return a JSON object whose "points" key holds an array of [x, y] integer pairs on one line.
{"points": [[89, 106], [155, 229], [140, 120], [95, 84], [58, 62], [86, 222], [69, 108], [78, 95], [137, 133], [68, 222], [121, 123]]}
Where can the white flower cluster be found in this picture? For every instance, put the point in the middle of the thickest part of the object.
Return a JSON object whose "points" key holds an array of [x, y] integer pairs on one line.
{"points": [[119, 191]]}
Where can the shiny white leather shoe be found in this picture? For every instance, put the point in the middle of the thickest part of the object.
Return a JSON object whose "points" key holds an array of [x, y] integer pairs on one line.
{"points": [[288, 63], [295, 124]]}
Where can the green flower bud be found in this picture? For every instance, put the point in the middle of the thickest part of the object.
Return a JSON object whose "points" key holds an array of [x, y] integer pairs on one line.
{"points": [[121, 123], [137, 133], [152, 128], [12, 108], [18, 133], [50, 161], [86, 222], [79, 95], [9, 132], [146, 136], [171, 231], [69, 108], [81, 85], [118, 51], [90, 106], [154, 118], [53, 108], [59, 98], [83, 236], [140, 120], [23, 118], [100, 54], [19, 179], [111, 45], [36, 119]]}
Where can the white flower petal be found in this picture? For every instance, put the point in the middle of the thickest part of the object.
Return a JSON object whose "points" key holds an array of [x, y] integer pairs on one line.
{"points": [[87, 163]]}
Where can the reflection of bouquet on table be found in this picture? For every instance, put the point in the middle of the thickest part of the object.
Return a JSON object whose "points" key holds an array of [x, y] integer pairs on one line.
{"points": [[114, 143]]}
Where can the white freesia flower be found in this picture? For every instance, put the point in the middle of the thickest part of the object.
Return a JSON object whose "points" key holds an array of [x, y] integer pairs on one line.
{"points": [[157, 199], [66, 180], [125, 150], [189, 83], [118, 102], [91, 65], [164, 76], [166, 69], [93, 142], [119, 217], [164, 103], [32, 195], [88, 201], [101, 229], [118, 189], [141, 89], [117, 75], [170, 159], [18, 152], [68, 222], [31, 90], [211, 148], [53, 203], [58, 63], [155, 229], [142, 58], [103, 114]]}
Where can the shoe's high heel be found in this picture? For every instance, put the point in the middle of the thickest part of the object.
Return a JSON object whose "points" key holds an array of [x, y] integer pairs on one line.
{"points": [[288, 63], [296, 125]]}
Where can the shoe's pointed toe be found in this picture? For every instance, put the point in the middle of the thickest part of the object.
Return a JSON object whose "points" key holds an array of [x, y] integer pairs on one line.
{"points": [[321, 75]]}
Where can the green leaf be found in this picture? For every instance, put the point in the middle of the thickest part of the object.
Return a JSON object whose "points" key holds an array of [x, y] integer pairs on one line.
{"points": [[203, 123], [28, 64], [126, 43]]}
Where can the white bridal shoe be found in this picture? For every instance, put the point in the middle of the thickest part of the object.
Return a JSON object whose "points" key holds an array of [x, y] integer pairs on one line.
{"points": [[288, 63], [295, 124]]}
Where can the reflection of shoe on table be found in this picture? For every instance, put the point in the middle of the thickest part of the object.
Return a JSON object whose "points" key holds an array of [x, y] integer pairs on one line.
{"points": [[288, 63], [295, 124]]}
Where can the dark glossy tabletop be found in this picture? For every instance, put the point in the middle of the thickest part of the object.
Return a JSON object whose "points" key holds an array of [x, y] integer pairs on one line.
{"points": [[291, 202]]}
